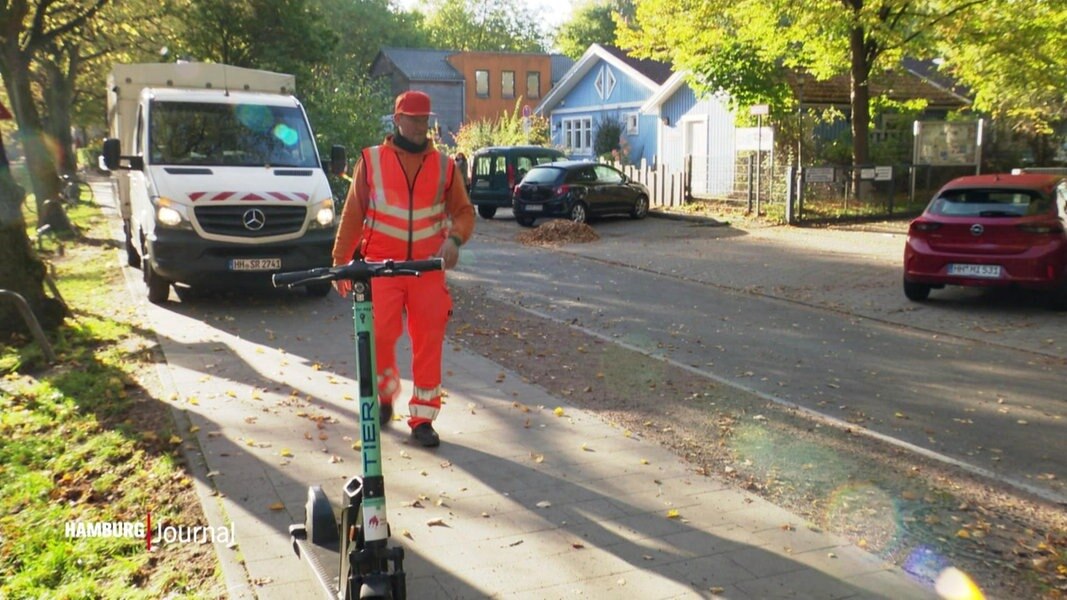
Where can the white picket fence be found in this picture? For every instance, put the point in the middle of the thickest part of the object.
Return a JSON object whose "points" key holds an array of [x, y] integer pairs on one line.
{"points": [[667, 188]]}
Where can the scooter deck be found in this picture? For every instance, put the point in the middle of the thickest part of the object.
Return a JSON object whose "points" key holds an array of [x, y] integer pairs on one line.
{"points": [[324, 560]]}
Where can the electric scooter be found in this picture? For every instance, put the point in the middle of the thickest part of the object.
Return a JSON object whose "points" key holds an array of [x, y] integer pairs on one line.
{"points": [[367, 568]]}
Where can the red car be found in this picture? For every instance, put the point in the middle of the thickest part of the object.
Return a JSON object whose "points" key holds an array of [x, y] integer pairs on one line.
{"points": [[991, 230]]}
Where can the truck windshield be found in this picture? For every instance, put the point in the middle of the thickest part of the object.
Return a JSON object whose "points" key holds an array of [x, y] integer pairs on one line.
{"points": [[193, 133]]}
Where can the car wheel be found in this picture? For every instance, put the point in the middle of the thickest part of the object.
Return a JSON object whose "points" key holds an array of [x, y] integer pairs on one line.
{"points": [[916, 292], [1058, 298], [578, 213], [640, 210], [486, 212], [525, 221]]}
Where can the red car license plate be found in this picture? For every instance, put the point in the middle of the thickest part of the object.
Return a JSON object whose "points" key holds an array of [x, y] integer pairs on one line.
{"points": [[985, 271]]}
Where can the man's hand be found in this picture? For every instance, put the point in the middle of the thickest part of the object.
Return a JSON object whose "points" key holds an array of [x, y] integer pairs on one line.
{"points": [[450, 252], [343, 287]]}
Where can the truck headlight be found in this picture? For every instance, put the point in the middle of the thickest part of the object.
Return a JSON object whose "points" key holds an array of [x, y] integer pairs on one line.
{"points": [[168, 214], [324, 213]]}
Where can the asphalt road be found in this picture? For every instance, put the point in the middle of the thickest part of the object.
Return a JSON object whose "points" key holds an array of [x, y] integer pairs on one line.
{"points": [[816, 318]]}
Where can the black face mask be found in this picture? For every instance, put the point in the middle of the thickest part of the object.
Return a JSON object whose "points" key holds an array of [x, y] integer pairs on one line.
{"points": [[407, 145]]}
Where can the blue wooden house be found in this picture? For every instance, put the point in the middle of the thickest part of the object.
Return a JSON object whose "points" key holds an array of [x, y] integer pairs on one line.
{"points": [[605, 85], [701, 129]]}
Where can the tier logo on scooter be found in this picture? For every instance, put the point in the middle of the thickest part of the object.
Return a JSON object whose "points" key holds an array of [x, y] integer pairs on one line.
{"points": [[254, 219]]}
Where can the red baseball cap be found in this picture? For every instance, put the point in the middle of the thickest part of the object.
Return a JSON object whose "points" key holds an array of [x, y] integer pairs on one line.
{"points": [[413, 103]]}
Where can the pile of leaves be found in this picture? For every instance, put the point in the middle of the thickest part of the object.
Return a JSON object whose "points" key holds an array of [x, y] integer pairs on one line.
{"points": [[556, 233]]}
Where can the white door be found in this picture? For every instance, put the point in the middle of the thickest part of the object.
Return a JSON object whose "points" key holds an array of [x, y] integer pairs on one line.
{"points": [[696, 146]]}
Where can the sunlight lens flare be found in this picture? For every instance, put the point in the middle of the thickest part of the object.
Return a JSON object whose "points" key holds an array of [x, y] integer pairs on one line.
{"points": [[954, 584]]}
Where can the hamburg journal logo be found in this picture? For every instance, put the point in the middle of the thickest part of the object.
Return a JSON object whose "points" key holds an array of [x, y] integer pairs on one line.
{"points": [[154, 534]]}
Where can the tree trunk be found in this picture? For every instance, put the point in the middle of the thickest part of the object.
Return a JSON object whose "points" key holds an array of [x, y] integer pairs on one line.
{"points": [[20, 269], [39, 162], [859, 74]]}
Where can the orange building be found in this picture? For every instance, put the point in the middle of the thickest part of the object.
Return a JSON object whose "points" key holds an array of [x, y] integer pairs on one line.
{"points": [[496, 81]]}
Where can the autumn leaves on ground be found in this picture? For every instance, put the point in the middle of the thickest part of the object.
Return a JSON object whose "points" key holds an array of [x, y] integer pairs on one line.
{"points": [[83, 442], [919, 514]]}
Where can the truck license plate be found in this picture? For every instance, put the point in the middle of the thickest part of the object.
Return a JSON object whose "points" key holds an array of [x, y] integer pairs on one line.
{"points": [[255, 264]]}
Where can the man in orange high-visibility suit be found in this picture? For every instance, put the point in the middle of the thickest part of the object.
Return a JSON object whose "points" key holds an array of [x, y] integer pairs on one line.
{"points": [[407, 202]]}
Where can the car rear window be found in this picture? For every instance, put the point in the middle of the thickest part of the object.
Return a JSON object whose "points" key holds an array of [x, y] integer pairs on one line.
{"points": [[544, 175], [989, 203]]}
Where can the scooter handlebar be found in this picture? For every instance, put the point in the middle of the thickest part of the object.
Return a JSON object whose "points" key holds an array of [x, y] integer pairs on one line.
{"points": [[358, 269]]}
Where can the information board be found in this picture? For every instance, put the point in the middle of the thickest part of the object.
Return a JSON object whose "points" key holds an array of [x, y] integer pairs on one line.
{"points": [[948, 143]]}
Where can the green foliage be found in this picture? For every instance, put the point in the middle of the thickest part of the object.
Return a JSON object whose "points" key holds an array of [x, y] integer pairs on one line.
{"points": [[345, 107], [71, 449], [608, 137], [593, 22], [1010, 56], [746, 47], [490, 25], [288, 36], [508, 130]]}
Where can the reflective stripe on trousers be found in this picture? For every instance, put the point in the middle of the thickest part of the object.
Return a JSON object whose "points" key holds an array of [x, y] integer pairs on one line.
{"points": [[428, 304]]}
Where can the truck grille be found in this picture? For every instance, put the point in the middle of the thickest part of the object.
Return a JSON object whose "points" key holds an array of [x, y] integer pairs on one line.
{"points": [[230, 219]]}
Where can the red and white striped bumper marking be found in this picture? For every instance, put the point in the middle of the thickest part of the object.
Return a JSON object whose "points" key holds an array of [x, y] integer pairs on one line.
{"points": [[249, 197]]}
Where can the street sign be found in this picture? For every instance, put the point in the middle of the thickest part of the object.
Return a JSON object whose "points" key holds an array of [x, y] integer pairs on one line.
{"points": [[754, 138], [759, 110], [883, 173], [819, 174]]}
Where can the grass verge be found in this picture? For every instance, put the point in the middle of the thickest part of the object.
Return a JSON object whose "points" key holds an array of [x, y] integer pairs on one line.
{"points": [[84, 441]]}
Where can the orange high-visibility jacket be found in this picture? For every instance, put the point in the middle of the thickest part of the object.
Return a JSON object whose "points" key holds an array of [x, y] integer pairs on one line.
{"points": [[403, 176], [404, 221]]}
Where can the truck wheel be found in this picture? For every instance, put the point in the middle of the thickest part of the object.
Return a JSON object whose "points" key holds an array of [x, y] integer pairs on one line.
{"points": [[486, 212], [158, 288], [318, 290], [132, 257]]}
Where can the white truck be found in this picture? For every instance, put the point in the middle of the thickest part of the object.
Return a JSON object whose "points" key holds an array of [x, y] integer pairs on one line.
{"points": [[218, 177]]}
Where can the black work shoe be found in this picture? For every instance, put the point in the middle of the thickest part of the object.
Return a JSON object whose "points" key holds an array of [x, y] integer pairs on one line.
{"points": [[385, 414], [425, 435]]}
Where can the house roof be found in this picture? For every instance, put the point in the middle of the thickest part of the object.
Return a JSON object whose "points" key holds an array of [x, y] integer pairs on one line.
{"points": [[898, 84], [420, 64], [561, 63], [652, 69], [905, 83], [649, 73]]}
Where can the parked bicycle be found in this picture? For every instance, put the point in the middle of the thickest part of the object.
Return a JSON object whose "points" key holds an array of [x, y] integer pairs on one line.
{"points": [[74, 190]]}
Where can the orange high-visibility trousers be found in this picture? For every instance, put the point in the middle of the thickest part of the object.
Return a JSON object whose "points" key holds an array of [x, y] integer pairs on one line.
{"points": [[428, 305]]}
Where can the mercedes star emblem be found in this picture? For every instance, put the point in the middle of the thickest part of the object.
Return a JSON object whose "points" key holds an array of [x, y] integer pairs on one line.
{"points": [[977, 229], [254, 219]]}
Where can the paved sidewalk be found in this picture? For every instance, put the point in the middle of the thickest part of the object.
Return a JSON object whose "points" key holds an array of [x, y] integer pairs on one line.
{"points": [[518, 502], [530, 504]]}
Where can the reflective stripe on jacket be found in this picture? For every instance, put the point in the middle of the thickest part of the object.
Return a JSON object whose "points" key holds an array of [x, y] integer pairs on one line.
{"points": [[405, 221]]}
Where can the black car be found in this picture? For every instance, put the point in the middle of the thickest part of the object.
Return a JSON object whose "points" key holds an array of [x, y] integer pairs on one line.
{"points": [[577, 190]]}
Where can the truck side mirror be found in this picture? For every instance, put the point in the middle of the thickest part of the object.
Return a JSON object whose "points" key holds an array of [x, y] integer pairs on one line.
{"points": [[338, 160], [111, 154]]}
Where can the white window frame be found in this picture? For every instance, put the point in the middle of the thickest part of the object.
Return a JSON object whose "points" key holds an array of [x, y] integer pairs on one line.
{"points": [[605, 82], [478, 84], [505, 92], [578, 134], [633, 123]]}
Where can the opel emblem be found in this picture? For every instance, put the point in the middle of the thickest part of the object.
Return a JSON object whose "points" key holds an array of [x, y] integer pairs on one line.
{"points": [[977, 229], [254, 219]]}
